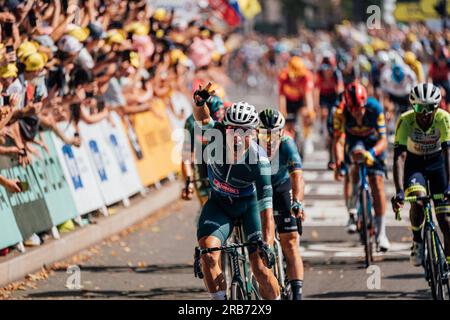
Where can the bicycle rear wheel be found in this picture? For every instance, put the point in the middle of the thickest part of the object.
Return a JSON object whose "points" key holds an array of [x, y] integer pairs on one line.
{"points": [[434, 274], [365, 232]]}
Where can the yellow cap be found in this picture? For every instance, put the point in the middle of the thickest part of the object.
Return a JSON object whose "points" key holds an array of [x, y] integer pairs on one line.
{"points": [[160, 33], [205, 33], [35, 62], [9, 71], [160, 14], [177, 55], [134, 59], [79, 33], [409, 57], [138, 28], [27, 48], [411, 37], [115, 36], [216, 56], [296, 67], [378, 44]]}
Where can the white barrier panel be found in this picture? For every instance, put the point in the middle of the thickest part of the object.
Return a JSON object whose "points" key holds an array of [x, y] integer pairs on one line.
{"points": [[182, 108], [78, 172], [114, 136], [102, 159]]}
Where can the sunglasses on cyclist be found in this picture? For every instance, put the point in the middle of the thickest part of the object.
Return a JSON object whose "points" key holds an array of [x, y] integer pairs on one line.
{"points": [[268, 135], [233, 128], [424, 108]]}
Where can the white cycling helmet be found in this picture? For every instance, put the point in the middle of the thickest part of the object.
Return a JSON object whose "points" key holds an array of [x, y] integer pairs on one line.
{"points": [[383, 57], [425, 93], [241, 114]]}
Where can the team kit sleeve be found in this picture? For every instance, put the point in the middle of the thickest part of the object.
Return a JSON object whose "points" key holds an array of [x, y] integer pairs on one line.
{"points": [[263, 184], [401, 133], [339, 121], [444, 129], [381, 125], [294, 160]]}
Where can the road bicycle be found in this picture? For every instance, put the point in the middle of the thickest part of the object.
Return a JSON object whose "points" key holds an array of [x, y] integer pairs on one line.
{"points": [[235, 264], [280, 266], [365, 225], [436, 269]]}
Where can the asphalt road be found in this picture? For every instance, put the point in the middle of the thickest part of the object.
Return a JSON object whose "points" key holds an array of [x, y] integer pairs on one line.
{"points": [[153, 260]]}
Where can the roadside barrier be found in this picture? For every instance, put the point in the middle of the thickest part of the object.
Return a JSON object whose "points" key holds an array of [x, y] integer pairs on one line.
{"points": [[118, 158]]}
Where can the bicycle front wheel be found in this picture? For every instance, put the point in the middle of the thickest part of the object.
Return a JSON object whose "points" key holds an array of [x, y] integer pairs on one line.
{"points": [[237, 290], [365, 232], [433, 268]]}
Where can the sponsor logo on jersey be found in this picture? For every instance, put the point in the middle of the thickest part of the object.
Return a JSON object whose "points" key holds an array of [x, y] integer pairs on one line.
{"points": [[225, 187]]}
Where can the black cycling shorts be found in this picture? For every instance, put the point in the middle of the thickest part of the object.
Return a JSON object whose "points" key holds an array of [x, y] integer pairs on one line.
{"points": [[292, 108], [282, 199], [419, 169]]}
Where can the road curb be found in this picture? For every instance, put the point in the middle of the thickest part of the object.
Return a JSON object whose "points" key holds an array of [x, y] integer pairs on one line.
{"points": [[15, 268]]}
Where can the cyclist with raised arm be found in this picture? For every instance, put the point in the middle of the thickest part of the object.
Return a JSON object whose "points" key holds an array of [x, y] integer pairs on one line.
{"points": [[296, 85], [329, 84], [422, 154], [360, 121], [193, 167], [239, 175], [288, 191]]}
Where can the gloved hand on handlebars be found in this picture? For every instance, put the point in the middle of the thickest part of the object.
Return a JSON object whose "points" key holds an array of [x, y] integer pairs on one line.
{"points": [[266, 253], [398, 200], [297, 209], [369, 156]]}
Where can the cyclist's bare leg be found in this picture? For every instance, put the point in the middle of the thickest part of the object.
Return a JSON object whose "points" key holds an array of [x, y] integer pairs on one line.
{"points": [[268, 284], [213, 276], [307, 118], [376, 183], [294, 261], [416, 216]]}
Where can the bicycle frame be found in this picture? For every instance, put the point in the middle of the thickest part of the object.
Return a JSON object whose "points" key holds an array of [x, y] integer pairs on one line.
{"points": [[365, 223], [437, 247], [237, 259]]}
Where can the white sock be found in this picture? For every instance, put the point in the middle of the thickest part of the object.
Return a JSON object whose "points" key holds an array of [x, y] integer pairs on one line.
{"points": [[219, 295], [381, 225]]}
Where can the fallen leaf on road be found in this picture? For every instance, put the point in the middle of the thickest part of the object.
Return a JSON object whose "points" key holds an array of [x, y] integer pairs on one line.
{"points": [[155, 229], [113, 254], [142, 264], [126, 249]]}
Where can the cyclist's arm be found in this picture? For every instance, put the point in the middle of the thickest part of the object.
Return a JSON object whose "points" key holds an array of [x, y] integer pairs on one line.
{"points": [[282, 104], [201, 113], [295, 169], [382, 143], [444, 129], [339, 131], [400, 152], [264, 193]]}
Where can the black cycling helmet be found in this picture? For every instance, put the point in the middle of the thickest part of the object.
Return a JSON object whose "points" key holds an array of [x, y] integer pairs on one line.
{"points": [[271, 119]]}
